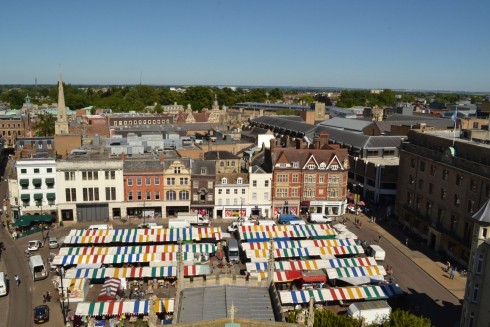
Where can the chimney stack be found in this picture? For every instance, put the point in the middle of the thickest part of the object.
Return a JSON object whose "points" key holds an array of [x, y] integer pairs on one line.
{"points": [[162, 158], [123, 156]]}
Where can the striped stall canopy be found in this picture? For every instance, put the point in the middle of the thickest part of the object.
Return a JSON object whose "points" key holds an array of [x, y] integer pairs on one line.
{"points": [[164, 305], [341, 250], [138, 249], [84, 251], [256, 266], [113, 308], [335, 242], [208, 232], [261, 235], [371, 292], [283, 253], [391, 290], [277, 245], [279, 276], [346, 272], [197, 270], [199, 248], [130, 238], [87, 240], [350, 262], [139, 272], [119, 259]]}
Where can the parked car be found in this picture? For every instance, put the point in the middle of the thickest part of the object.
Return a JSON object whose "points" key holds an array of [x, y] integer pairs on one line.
{"points": [[41, 314], [53, 243], [34, 245]]}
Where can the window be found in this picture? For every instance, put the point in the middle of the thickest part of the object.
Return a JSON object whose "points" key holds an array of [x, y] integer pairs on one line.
{"points": [[71, 194], [157, 195], [184, 181], [266, 183], [69, 175], [294, 192], [210, 184], [421, 183], [220, 191], [422, 166], [475, 293], [431, 188], [176, 170], [157, 180], [139, 181], [445, 174], [235, 201], [411, 180], [479, 265], [433, 170], [412, 163], [254, 196], [254, 183], [311, 166], [235, 191], [333, 179], [457, 201], [282, 192], [459, 180], [224, 180], [110, 174], [295, 178], [203, 171], [323, 166], [239, 180], [473, 186], [308, 193], [321, 179], [23, 171], [90, 194], [471, 204], [170, 181], [130, 196], [148, 195], [227, 191], [220, 202], [332, 193], [243, 191], [148, 181], [443, 193], [36, 170], [310, 178], [282, 178], [49, 170], [295, 164], [90, 175], [110, 193], [184, 195], [334, 167], [266, 196]]}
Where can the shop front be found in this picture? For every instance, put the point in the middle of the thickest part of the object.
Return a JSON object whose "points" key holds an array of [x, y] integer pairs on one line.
{"points": [[286, 208], [329, 208]]}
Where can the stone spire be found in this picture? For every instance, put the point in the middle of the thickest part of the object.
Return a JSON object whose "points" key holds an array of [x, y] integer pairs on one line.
{"points": [[61, 125]]}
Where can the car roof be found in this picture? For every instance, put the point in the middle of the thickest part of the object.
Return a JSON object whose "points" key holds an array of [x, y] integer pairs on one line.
{"points": [[41, 307], [53, 238]]}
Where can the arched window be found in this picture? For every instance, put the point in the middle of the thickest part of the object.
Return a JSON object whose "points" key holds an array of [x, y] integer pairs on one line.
{"points": [[224, 180], [171, 196], [184, 195]]}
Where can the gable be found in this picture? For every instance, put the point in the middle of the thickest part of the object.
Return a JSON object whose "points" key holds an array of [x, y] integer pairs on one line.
{"points": [[335, 164], [310, 162]]}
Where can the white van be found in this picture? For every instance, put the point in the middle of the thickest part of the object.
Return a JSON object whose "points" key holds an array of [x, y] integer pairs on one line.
{"points": [[100, 227], [3, 284], [37, 267], [320, 218], [376, 252], [178, 223]]}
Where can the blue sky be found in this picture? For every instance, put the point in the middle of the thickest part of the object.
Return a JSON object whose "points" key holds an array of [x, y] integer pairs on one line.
{"points": [[398, 44]]}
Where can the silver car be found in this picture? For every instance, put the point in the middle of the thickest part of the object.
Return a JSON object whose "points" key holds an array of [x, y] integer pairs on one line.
{"points": [[53, 243]]}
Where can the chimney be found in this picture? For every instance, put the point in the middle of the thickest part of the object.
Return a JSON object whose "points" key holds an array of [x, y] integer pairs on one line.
{"points": [[162, 158], [323, 139], [123, 156]]}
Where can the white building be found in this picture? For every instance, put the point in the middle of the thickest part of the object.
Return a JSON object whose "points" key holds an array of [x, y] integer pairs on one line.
{"points": [[36, 180], [259, 201], [89, 188], [231, 197]]}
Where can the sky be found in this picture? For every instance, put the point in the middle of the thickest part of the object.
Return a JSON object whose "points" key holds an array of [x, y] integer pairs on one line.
{"points": [[372, 44]]}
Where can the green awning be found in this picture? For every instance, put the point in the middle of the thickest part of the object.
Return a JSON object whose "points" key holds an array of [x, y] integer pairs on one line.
{"points": [[25, 197], [24, 182], [24, 221], [51, 196], [38, 196], [49, 180], [36, 181]]}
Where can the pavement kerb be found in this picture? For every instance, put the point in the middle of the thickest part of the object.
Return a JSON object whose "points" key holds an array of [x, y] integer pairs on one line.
{"points": [[435, 272]]}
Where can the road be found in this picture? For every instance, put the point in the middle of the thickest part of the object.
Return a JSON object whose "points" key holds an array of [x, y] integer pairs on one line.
{"points": [[425, 295]]}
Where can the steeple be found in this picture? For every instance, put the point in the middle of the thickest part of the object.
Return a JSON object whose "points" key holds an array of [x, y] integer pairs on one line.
{"points": [[61, 125], [215, 105]]}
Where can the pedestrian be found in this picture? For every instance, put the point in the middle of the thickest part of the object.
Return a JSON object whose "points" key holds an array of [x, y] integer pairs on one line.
{"points": [[451, 273], [44, 298], [48, 296], [17, 280], [379, 239]]}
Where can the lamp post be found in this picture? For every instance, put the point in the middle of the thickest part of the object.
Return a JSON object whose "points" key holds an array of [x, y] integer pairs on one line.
{"points": [[40, 204], [241, 208], [62, 302]]}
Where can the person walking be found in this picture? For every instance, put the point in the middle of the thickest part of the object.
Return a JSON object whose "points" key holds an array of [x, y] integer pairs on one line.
{"points": [[451, 273], [379, 239], [17, 280]]}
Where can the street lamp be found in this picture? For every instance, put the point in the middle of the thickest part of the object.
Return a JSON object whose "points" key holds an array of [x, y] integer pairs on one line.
{"points": [[40, 205], [241, 206]]}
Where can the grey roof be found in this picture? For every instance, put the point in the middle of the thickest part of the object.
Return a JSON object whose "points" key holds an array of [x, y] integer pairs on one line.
{"points": [[169, 161], [142, 165], [258, 170], [271, 106], [483, 215], [361, 141], [292, 123], [223, 155], [197, 164], [430, 121], [209, 303], [346, 123]]}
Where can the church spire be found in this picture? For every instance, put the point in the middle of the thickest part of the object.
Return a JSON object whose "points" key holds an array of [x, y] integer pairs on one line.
{"points": [[61, 126]]}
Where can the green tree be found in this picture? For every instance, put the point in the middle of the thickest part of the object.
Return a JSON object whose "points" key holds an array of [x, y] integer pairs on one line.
{"points": [[158, 109], [44, 125], [276, 95], [14, 97]]}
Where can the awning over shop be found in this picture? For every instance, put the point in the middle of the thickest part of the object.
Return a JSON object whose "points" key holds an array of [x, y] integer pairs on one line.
{"points": [[25, 197], [24, 182], [37, 181], [51, 196], [38, 196], [49, 181], [25, 221]]}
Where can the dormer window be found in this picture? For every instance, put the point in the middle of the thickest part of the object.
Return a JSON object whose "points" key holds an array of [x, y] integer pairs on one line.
{"points": [[323, 166], [334, 167], [295, 164], [239, 180], [224, 180], [311, 166], [282, 165], [203, 171]]}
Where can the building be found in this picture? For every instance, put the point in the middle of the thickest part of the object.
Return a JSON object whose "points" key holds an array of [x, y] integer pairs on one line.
{"points": [[308, 179], [36, 184], [143, 187], [90, 186], [177, 184], [61, 124], [203, 180], [475, 302], [13, 127], [139, 119], [259, 201], [443, 179]]}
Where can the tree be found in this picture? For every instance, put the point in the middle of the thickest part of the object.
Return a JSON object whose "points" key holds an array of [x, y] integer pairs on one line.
{"points": [[14, 97], [44, 125], [158, 109]]}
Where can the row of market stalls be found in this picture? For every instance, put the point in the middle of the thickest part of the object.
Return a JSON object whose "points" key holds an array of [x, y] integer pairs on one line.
{"points": [[143, 259], [131, 236], [260, 233]]}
